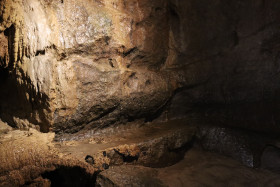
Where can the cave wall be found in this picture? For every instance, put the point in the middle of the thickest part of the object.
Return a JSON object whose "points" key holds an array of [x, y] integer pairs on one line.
{"points": [[69, 65], [229, 51], [75, 65]]}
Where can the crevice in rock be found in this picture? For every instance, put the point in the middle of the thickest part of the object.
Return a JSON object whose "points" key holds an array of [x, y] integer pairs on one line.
{"points": [[183, 149], [152, 116], [4, 74], [103, 114], [173, 156], [17, 105], [130, 51], [127, 158], [40, 52], [69, 176], [89, 159], [111, 63], [10, 33]]}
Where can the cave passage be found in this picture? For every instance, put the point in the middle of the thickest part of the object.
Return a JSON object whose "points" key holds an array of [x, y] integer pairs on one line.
{"points": [[139, 93]]}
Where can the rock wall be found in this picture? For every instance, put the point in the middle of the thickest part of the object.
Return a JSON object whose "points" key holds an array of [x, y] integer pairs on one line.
{"points": [[72, 65], [229, 51]]}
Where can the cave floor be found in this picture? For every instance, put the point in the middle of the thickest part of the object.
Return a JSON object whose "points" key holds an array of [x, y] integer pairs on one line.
{"points": [[158, 154], [157, 144], [198, 168]]}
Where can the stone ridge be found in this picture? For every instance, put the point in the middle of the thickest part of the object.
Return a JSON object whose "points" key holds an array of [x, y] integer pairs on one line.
{"points": [[153, 145]]}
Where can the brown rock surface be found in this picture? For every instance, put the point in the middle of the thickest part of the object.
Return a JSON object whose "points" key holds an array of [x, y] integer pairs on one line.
{"points": [[32, 158], [76, 65], [128, 175], [27, 155], [72, 65], [153, 145], [198, 168]]}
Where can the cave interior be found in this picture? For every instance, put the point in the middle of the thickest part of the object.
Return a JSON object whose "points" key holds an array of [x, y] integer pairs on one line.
{"points": [[139, 93]]}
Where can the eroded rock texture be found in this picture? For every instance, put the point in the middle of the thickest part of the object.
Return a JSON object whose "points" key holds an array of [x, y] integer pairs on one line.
{"points": [[29, 158], [72, 65], [75, 66]]}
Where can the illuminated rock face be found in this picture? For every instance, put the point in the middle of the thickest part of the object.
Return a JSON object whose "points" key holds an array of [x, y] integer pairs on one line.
{"points": [[84, 64], [69, 65]]}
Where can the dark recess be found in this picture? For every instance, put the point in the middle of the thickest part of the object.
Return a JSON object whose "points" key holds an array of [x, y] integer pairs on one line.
{"points": [[70, 177]]}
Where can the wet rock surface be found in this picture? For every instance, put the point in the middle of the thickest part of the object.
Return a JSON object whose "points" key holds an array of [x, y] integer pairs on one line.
{"points": [[152, 145]]}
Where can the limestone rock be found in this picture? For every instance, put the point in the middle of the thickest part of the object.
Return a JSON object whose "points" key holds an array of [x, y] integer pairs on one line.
{"points": [[27, 155], [73, 65], [77, 65], [153, 145], [4, 127]]}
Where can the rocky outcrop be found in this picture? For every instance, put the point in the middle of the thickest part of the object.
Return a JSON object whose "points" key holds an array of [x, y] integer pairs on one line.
{"points": [[30, 158], [68, 66], [72, 65], [247, 147], [152, 145], [78, 66]]}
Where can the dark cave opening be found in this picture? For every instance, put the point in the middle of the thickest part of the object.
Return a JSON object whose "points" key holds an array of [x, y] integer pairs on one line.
{"points": [[65, 176]]}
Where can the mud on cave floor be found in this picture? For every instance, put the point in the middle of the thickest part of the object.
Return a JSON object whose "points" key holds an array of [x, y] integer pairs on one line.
{"points": [[158, 154]]}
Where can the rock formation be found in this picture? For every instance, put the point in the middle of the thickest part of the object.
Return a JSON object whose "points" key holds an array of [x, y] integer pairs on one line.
{"points": [[93, 74], [76, 65], [68, 66], [228, 50]]}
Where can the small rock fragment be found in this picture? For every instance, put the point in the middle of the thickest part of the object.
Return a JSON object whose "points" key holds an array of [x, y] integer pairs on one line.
{"points": [[105, 166], [89, 159]]}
